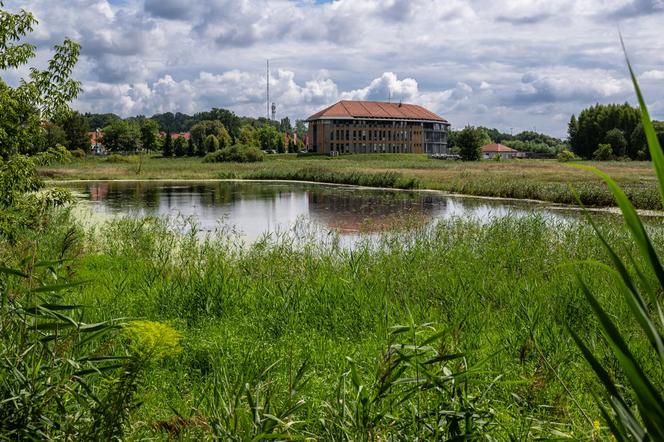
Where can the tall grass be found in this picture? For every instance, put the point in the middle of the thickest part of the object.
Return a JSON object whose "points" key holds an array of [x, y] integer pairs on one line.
{"points": [[641, 369], [480, 348]]}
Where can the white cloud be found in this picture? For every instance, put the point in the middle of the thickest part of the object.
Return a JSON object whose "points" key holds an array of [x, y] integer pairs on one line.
{"points": [[491, 63]]}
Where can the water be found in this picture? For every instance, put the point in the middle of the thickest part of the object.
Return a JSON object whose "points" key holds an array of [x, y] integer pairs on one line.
{"points": [[256, 208]]}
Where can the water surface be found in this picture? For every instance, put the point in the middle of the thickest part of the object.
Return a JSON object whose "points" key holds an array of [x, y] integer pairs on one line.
{"points": [[256, 208]]}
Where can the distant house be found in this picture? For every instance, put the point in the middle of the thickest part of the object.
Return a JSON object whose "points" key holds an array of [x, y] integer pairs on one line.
{"points": [[96, 146], [176, 135], [491, 150]]}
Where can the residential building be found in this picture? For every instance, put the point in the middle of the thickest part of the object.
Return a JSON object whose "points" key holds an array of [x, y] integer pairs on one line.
{"points": [[490, 151], [376, 127]]}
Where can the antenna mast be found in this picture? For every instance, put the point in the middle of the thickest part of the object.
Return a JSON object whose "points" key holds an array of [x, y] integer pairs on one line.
{"points": [[268, 89]]}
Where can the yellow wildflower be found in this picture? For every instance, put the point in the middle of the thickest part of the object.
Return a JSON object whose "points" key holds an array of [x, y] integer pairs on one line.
{"points": [[152, 340]]}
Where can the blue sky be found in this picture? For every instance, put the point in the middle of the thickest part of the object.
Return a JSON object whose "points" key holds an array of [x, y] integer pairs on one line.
{"points": [[513, 64]]}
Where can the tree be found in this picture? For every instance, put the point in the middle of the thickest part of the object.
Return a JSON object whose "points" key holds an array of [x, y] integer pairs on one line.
{"points": [[97, 121], [122, 136], [201, 150], [594, 123], [200, 131], [180, 146], [191, 148], [603, 153], [52, 135], [211, 144], [44, 95], [76, 128], [247, 136], [227, 118], [301, 129], [616, 139], [149, 134], [469, 141], [268, 138], [285, 125], [167, 151], [572, 130], [638, 148], [280, 141]]}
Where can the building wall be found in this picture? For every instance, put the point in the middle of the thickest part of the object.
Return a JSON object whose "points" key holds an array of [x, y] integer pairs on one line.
{"points": [[377, 136]]}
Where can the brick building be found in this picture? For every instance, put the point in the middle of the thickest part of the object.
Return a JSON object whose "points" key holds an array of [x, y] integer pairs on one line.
{"points": [[373, 127]]}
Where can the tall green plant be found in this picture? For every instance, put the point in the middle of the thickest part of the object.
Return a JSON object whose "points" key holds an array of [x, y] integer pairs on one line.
{"points": [[643, 299]]}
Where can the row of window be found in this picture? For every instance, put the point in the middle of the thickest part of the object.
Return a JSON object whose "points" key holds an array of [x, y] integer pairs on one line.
{"points": [[370, 135], [372, 147]]}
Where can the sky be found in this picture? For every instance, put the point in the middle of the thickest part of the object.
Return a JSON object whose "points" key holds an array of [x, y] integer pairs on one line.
{"points": [[514, 64]]}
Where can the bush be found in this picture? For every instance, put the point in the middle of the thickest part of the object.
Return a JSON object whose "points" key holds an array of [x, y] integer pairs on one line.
{"points": [[604, 152], [565, 155], [78, 153], [237, 153]]}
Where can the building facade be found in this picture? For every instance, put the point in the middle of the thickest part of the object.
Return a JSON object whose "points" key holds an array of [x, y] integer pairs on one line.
{"points": [[376, 127]]}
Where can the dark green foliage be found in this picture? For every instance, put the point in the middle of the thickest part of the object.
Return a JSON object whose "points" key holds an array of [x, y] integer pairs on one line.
{"points": [[191, 147], [269, 138], [616, 139], [594, 124], [638, 146], [149, 135], [76, 128], [200, 131], [99, 121], [180, 148], [227, 118], [167, 150], [211, 144], [122, 136], [52, 135], [237, 153], [285, 125], [604, 152], [469, 141]]}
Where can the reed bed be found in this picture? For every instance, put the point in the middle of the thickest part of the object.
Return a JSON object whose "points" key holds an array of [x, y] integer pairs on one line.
{"points": [[446, 331]]}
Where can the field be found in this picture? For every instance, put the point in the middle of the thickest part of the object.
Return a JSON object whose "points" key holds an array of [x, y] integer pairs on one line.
{"points": [[478, 312], [546, 180]]}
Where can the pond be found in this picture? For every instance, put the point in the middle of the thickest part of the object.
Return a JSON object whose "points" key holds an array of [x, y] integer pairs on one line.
{"points": [[259, 207]]}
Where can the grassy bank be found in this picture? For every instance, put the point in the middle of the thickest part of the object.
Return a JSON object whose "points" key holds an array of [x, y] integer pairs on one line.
{"points": [[499, 295], [544, 180]]}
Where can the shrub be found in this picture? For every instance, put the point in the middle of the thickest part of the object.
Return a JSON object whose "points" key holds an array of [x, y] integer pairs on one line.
{"points": [[78, 153], [604, 152], [237, 153], [565, 155]]}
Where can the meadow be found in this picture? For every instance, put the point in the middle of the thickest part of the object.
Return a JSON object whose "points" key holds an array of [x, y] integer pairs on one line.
{"points": [[457, 330], [546, 180]]}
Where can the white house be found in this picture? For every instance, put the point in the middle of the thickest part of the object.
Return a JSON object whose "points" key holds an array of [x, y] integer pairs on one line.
{"points": [[491, 150]]}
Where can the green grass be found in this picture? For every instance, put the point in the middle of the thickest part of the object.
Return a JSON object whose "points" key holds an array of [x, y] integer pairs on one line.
{"points": [[545, 180], [500, 294]]}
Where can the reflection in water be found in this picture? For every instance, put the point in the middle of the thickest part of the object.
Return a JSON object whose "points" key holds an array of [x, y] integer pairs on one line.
{"points": [[256, 208]]}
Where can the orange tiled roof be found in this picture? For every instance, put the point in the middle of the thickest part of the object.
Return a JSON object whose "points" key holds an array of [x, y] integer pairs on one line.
{"points": [[491, 148], [376, 109]]}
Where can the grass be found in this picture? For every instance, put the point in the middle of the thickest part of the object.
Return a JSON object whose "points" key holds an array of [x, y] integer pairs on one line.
{"points": [[544, 180], [495, 300]]}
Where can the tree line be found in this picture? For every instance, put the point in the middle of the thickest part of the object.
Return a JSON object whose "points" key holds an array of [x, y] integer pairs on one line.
{"points": [[610, 131]]}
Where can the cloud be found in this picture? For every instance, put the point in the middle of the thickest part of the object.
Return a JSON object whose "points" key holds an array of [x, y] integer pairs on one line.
{"points": [[503, 64]]}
